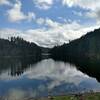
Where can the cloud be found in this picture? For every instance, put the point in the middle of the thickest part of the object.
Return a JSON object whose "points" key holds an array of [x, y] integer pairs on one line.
{"points": [[40, 21], [89, 4], [6, 32], [43, 4], [94, 14], [68, 2], [52, 33], [55, 34], [30, 16], [4, 2], [92, 5], [15, 14], [57, 72], [78, 13]]}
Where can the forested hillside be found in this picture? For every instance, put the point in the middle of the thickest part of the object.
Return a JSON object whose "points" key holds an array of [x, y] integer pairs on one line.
{"points": [[85, 48], [16, 46]]}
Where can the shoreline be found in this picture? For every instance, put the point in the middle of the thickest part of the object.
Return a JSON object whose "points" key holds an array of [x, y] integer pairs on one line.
{"points": [[76, 96]]}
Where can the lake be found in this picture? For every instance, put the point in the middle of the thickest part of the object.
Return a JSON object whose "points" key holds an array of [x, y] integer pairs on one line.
{"points": [[21, 78]]}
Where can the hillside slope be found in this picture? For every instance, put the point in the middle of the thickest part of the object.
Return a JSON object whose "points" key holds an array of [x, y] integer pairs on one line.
{"points": [[16, 46], [86, 47]]}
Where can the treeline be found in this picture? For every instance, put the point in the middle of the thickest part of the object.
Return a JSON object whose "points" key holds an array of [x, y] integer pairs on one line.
{"points": [[85, 48], [16, 46]]}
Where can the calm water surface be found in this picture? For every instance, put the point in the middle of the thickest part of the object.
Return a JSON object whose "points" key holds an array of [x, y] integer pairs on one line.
{"points": [[21, 79]]}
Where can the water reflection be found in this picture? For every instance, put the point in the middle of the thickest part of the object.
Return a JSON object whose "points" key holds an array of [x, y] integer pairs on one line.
{"points": [[31, 78], [87, 66], [90, 68], [16, 65]]}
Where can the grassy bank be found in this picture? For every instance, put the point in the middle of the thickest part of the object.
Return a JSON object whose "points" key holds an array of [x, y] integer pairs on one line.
{"points": [[79, 97], [86, 96]]}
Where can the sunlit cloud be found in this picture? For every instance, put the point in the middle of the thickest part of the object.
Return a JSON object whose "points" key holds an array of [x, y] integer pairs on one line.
{"points": [[15, 14], [43, 4]]}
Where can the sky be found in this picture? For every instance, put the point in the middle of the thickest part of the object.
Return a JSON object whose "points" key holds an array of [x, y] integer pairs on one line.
{"points": [[48, 22]]}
